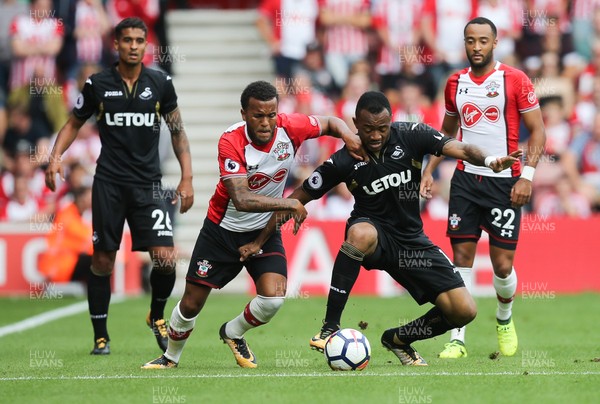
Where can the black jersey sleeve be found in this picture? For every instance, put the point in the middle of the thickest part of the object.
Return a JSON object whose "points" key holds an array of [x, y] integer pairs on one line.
{"points": [[169, 98], [329, 174], [426, 139], [86, 103]]}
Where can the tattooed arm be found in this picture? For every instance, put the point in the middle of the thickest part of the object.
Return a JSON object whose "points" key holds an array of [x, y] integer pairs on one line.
{"points": [[181, 147]]}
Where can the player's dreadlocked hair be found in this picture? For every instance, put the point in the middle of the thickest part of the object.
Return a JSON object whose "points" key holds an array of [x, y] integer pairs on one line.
{"points": [[259, 90], [374, 102], [481, 21], [130, 22]]}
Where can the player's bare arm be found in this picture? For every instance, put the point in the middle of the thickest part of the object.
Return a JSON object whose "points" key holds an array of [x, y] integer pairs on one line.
{"points": [[336, 127], [274, 223], [65, 137], [181, 147], [521, 191], [476, 156], [449, 128]]}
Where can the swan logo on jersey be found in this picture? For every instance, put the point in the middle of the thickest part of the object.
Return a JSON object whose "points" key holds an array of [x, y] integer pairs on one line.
{"points": [[454, 221], [146, 94], [385, 182], [231, 166], [492, 89], [129, 119], [281, 151], [203, 267], [398, 153], [315, 180], [260, 180], [472, 114], [531, 97]]}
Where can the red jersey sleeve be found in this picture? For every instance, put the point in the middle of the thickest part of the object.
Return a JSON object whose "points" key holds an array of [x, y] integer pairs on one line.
{"points": [[524, 91], [232, 161], [269, 8], [450, 95], [299, 127]]}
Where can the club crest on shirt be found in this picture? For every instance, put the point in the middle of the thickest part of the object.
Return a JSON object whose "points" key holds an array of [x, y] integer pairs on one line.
{"points": [[398, 153], [454, 221], [203, 267], [146, 94], [492, 89], [281, 151]]}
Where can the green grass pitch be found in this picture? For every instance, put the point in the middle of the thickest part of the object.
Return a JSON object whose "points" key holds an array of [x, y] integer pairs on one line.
{"points": [[558, 358]]}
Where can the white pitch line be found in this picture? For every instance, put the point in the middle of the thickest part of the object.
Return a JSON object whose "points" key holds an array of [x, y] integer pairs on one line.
{"points": [[48, 316], [161, 374]]}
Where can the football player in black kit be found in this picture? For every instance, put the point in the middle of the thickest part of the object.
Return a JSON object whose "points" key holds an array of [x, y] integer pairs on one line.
{"points": [[129, 101], [385, 226]]}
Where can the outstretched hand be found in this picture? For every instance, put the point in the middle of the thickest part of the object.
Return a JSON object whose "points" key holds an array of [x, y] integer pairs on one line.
{"points": [[355, 148], [502, 163]]}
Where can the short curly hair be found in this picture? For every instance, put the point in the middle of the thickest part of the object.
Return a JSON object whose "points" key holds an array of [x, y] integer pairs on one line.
{"points": [[259, 90]]}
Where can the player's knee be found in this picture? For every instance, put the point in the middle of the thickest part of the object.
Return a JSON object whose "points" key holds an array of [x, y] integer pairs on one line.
{"points": [[193, 300], [463, 311], [462, 256], [503, 268], [266, 307], [362, 236], [189, 307], [467, 312], [102, 264]]}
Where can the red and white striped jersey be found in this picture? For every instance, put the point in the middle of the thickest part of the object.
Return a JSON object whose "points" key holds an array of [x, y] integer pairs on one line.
{"points": [[399, 18], [34, 32], [294, 24], [266, 167], [490, 108], [346, 39], [89, 47]]}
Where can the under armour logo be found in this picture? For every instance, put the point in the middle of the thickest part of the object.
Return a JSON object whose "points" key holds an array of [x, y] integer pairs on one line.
{"points": [[506, 233], [460, 90]]}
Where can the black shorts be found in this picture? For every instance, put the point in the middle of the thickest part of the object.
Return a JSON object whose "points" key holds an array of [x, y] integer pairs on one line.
{"points": [[424, 273], [479, 202], [146, 212], [216, 260]]}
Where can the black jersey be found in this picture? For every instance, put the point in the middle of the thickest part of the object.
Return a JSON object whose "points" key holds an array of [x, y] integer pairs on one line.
{"points": [[129, 123], [385, 189]]}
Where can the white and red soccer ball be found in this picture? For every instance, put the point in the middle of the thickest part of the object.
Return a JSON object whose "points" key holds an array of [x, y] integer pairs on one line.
{"points": [[347, 349]]}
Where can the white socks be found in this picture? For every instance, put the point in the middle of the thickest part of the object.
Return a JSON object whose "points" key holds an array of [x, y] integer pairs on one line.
{"points": [[505, 292], [467, 277], [259, 311], [179, 330]]}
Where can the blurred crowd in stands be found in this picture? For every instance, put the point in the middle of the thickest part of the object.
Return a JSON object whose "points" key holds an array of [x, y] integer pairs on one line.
{"points": [[326, 53]]}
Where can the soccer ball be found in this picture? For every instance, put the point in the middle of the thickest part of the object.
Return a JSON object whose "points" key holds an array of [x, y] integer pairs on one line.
{"points": [[347, 349]]}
